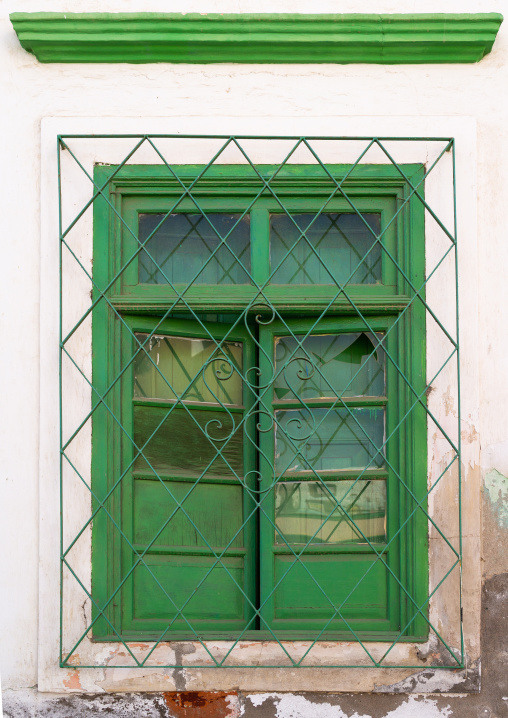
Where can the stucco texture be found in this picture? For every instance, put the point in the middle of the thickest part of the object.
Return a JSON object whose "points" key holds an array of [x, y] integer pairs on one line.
{"points": [[277, 99]]}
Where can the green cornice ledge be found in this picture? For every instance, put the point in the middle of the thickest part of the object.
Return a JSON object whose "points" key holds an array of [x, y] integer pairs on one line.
{"points": [[259, 38]]}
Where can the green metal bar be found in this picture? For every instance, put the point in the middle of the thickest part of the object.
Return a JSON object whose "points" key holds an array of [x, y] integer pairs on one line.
{"points": [[343, 193], [383, 551], [125, 225], [140, 557], [459, 414], [60, 385], [429, 209], [456, 563], [335, 138], [99, 190], [272, 666], [260, 392]]}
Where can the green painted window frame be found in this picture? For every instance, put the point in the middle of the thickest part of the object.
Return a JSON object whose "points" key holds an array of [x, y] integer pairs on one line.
{"points": [[138, 189]]}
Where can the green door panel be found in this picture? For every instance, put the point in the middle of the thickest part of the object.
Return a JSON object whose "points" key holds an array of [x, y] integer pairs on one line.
{"points": [[330, 479], [214, 514], [186, 507], [313, 587], [209, 593]]}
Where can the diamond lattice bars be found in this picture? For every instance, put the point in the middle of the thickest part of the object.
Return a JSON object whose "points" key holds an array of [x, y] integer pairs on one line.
{"points": [[256, 338]]}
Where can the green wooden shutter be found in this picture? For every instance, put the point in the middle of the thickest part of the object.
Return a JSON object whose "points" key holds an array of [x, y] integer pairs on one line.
{"points": [[209, 533], [328, 460], [184, 502]]}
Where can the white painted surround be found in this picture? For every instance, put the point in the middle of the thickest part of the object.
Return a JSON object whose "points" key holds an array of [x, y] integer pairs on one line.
{"points": [[76, 190]]}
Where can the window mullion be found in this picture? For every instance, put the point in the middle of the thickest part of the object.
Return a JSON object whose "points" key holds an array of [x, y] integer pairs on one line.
{"points": [[259, 242]]}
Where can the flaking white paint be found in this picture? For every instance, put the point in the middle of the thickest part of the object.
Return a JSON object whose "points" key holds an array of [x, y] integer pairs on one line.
{"points": [[296, 706], [291, 706], [496, 487], [419, 708]]}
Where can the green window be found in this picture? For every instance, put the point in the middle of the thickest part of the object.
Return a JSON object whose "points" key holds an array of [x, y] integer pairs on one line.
{"points": [[258, 445]]}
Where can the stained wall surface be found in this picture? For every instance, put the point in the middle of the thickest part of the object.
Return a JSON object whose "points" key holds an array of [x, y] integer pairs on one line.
{"points": [[278, 99]]}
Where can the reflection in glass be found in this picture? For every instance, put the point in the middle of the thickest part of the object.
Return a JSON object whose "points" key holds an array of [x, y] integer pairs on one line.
{"points": [[328, 439], [183, 246], [332, 250], [329, 365], [168, 367], [334, 512], [186, 442]]}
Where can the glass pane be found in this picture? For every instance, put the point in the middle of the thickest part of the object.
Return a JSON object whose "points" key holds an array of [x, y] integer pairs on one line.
{"points": [[183, 246], [328, 439], [172, 367], [187, 442], [332, 250], [329, 365], [308, 511]]}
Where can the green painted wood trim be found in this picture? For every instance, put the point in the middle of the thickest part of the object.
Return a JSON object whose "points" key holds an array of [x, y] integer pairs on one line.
{"points": [[408, 554], [257, 38]]}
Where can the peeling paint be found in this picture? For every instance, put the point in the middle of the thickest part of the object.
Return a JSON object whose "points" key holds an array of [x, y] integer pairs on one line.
{"points": [[30, 704], [496, 488], [296, 706], [291, 706], [495, 560], [234, 705], [328, 703], [435, 680], [180, 674], [448, 401], [414, 708], [437, 654], [72, 681], [216, 704], [470, 434]]}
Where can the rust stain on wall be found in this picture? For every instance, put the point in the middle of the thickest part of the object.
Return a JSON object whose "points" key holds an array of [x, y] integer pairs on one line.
{"points": [[188, 704]]}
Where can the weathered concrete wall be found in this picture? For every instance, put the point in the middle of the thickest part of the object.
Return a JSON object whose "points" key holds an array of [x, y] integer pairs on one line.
{"points": [[491, 702], [283, 96]]}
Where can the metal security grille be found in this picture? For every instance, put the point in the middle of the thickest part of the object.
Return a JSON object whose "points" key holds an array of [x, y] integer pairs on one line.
{"points": [[256, 339]]}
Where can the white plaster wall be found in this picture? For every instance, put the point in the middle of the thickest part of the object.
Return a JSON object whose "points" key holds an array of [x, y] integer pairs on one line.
{"points": [[32, 91]]}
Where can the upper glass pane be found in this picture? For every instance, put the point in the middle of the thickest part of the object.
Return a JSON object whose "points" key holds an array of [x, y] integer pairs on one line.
{"points": [[332, 249], [192, 248], [192, 369], [329, 365], [188, 442]]}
